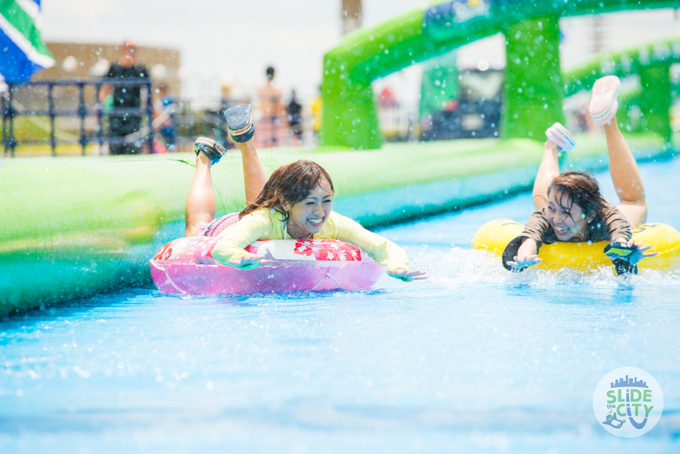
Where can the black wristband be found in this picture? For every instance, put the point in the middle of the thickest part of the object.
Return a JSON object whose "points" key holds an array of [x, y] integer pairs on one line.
{"points": [[624, 267]]}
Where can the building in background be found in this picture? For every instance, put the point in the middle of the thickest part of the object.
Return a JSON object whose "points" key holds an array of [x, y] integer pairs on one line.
{"points": [[351, 15], [82, 62], [92, 61]]}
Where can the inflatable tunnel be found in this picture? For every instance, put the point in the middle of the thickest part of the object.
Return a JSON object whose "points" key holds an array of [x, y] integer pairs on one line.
{"points": [[533, 86]]}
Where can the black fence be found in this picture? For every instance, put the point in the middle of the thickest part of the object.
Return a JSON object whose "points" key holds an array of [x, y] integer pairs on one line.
{"points": [[48, 103], [79, 106]]}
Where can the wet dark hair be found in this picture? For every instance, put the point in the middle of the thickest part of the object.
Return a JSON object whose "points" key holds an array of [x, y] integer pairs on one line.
{"points": [[582, 189], [270, 72], [290, 183]]}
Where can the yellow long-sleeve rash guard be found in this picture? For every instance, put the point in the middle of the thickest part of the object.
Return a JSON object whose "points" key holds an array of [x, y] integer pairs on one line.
{"points": [[267, 224]]}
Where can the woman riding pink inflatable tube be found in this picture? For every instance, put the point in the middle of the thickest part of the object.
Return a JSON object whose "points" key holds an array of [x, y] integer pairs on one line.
{"points": [[295, 203]]}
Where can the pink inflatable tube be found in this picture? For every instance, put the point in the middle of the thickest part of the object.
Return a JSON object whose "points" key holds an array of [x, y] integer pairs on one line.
{"points": [[186, 267]]}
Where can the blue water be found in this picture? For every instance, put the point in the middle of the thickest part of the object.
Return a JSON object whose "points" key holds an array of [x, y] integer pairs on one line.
{"points": [[473, 360]]}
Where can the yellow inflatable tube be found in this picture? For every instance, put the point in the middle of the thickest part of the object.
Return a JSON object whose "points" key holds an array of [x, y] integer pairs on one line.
{"points": [[494, 236]]}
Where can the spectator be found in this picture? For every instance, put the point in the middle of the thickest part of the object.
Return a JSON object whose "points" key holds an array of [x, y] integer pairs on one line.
{"points": [[317, 109], [294, 109], [164, 116], [272, 112], [124, 126]]}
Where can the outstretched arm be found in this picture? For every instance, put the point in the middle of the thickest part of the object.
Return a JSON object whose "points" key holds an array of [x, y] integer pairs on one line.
{"points": [[527, 255], [522, 251], [378, 247], [229, 250], [638, 253]]}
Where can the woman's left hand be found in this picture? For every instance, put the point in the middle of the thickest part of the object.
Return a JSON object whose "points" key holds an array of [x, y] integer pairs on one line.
{"points": [[407, 275], [637, 255], [249, 261]]}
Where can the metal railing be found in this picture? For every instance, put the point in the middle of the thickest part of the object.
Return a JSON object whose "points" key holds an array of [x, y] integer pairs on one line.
{"points": [[398, 123], [84, 110]]}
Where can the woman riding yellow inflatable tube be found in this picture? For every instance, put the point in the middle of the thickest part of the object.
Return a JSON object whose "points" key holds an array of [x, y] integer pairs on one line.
{"points": [[494, 236]]}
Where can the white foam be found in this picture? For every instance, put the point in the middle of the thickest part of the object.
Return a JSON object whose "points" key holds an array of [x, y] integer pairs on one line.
{"points": [[458, 266]]}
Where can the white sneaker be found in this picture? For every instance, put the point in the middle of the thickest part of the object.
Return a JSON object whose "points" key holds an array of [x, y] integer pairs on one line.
{"points": [[604, 103], [560, 136]]}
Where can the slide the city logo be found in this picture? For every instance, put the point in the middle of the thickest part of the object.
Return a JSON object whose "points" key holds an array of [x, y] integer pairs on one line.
{"points": [[628, 402]]}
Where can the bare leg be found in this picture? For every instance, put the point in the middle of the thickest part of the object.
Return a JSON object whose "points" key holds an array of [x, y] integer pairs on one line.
{"points": [[547, 172], [254, 176], [625, 175], [201, 206]]}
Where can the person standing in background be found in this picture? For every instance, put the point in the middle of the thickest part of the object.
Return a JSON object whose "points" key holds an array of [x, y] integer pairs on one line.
{"points": [[122, 125], [294, 109], [317, 110], [164, 116], [271, 108]]}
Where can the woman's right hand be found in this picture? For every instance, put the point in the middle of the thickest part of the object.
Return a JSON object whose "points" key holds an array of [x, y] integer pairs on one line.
{"points": [[520, 263], [527, 255], [249, 261]]}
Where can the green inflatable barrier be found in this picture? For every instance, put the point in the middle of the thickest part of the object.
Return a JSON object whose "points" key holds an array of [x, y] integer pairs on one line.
{"points": [[74, 227], [533, 89]]}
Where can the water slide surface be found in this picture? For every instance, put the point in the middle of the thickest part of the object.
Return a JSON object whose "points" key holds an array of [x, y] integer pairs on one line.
{"points": [[72, 227]]}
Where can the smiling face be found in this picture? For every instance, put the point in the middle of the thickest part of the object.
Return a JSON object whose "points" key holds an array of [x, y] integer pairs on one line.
{"points": [[566, 217], [307, 217]]}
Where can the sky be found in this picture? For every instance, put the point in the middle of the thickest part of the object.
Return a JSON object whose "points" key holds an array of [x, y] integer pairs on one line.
{"points": [[234, 41]]}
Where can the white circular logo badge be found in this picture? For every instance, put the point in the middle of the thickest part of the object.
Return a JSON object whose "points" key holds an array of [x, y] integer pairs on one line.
{"points": [[628, 402]]}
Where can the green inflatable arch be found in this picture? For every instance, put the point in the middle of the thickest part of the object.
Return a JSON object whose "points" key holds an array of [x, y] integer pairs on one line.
{"points": [[533, 87]]}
